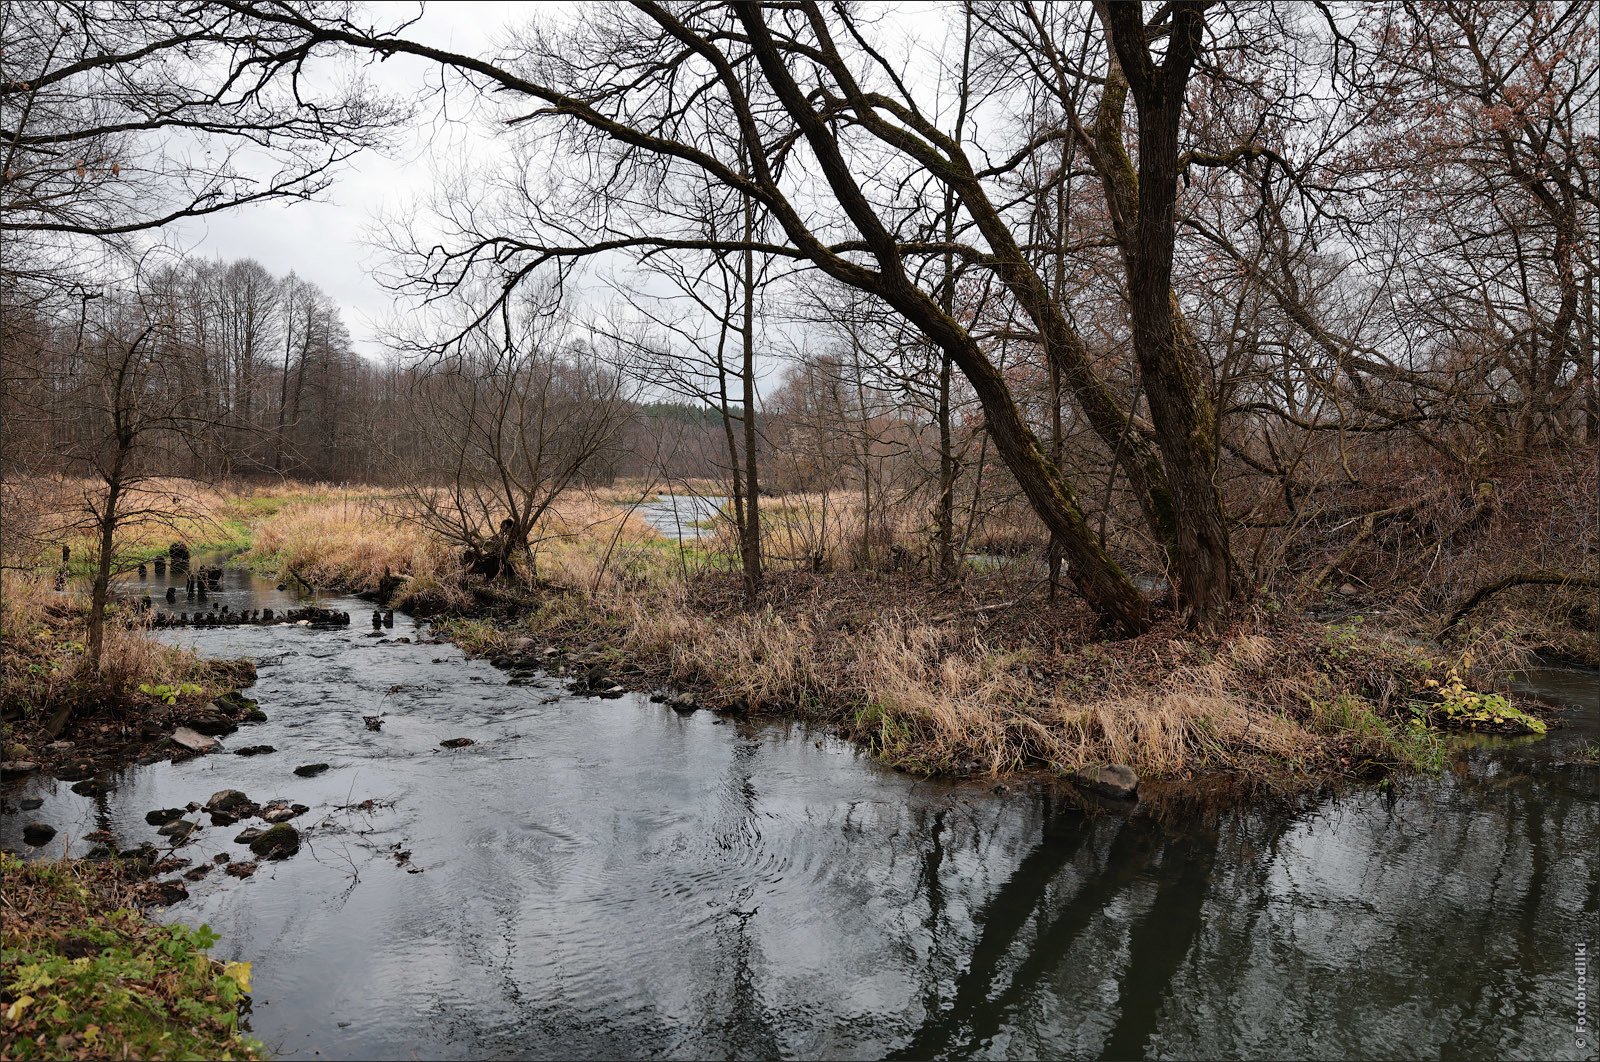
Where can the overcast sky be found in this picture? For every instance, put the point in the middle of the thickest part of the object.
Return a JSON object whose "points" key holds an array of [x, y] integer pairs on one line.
{"points": [[327, 242]]}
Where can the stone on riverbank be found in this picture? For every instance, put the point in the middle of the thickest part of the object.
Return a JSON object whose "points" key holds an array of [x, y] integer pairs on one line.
{"points": [[1117, 781], [213, 724], [18, 767], [194, 740], [167, 893]]}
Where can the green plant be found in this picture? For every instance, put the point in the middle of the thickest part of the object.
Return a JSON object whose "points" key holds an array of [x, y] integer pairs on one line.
{"points": [[1461, 707], [88, 978], [169, 694]]}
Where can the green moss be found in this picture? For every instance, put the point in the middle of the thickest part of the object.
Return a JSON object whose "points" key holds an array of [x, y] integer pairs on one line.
{"points": [[280, 837], [87, 978]]}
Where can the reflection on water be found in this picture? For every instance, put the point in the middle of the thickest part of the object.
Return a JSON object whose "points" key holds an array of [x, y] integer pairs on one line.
{"points": [[608, 878], [675, 515]]}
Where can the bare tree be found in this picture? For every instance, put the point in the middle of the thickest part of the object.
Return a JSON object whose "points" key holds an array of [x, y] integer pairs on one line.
{"points": [[514, 417]]}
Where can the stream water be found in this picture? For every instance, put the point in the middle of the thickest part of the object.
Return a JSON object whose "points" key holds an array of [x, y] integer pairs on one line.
{"points": [[675, 515], [607, 878]]}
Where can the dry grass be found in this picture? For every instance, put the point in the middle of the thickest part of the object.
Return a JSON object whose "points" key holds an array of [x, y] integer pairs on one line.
{"points": [[349, 541], [43, 663], [933, 679], [959, 694]]}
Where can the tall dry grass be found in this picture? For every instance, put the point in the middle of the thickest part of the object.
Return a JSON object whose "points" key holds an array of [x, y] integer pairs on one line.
{"points": [[917, 695], [347, 541], [42, 657], [927, 693], [933, 696]]}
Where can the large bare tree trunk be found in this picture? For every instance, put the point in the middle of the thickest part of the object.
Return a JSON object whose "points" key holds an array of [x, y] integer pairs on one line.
{"points": [[947, 477], [1169, 357]]}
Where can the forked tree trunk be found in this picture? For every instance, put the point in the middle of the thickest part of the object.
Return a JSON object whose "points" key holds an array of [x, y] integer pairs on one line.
{"points": [[1168, 355]]}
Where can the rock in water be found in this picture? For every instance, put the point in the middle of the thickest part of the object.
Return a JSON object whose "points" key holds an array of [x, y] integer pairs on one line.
{"points": [[240, 870], [1116, 781], [38, 834], [280, 842], [194, 740], [16, 767], [456, 743], [311, 770], [30, 803], [162, 816], [212, 723], [179, 830], [246, 836], [227, 800], [254, 750]]}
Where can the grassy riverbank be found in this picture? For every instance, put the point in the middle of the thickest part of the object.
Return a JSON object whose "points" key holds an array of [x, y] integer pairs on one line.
{"points": [[108, 716], [984, 675], [88, 977]]}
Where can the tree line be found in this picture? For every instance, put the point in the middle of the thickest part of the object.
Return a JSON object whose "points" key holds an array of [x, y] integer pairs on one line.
{"points": [[1155, 279]]}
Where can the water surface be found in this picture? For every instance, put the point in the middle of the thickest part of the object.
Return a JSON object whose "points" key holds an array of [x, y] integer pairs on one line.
{"points": [[675, 515], [605, 878]]}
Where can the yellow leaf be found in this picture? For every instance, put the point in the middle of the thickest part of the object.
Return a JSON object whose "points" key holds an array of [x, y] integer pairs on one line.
{"points": [[240, 972], [18, 1007]]}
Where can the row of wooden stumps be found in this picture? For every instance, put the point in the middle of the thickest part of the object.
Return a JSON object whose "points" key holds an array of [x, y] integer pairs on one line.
{"points": [[226, 617]]}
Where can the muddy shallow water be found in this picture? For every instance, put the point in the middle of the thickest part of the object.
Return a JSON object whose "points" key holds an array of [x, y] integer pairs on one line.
{"points": [[608, 878]]}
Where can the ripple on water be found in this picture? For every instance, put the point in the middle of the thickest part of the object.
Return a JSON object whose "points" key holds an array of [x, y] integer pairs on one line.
{"points": [[607, 878]]}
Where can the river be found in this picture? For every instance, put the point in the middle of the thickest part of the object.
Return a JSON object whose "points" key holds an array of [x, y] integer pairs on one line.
{"points": [[607, 878]]}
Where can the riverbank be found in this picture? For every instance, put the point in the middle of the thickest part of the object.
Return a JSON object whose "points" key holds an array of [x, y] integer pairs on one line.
{"points": [[984, 675], [939, 683], [65, 718], [86, 976], [981, 676]]}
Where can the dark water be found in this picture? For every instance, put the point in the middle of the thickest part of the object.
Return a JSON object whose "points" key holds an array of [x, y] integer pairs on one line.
{"points": [[607, 878]]}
